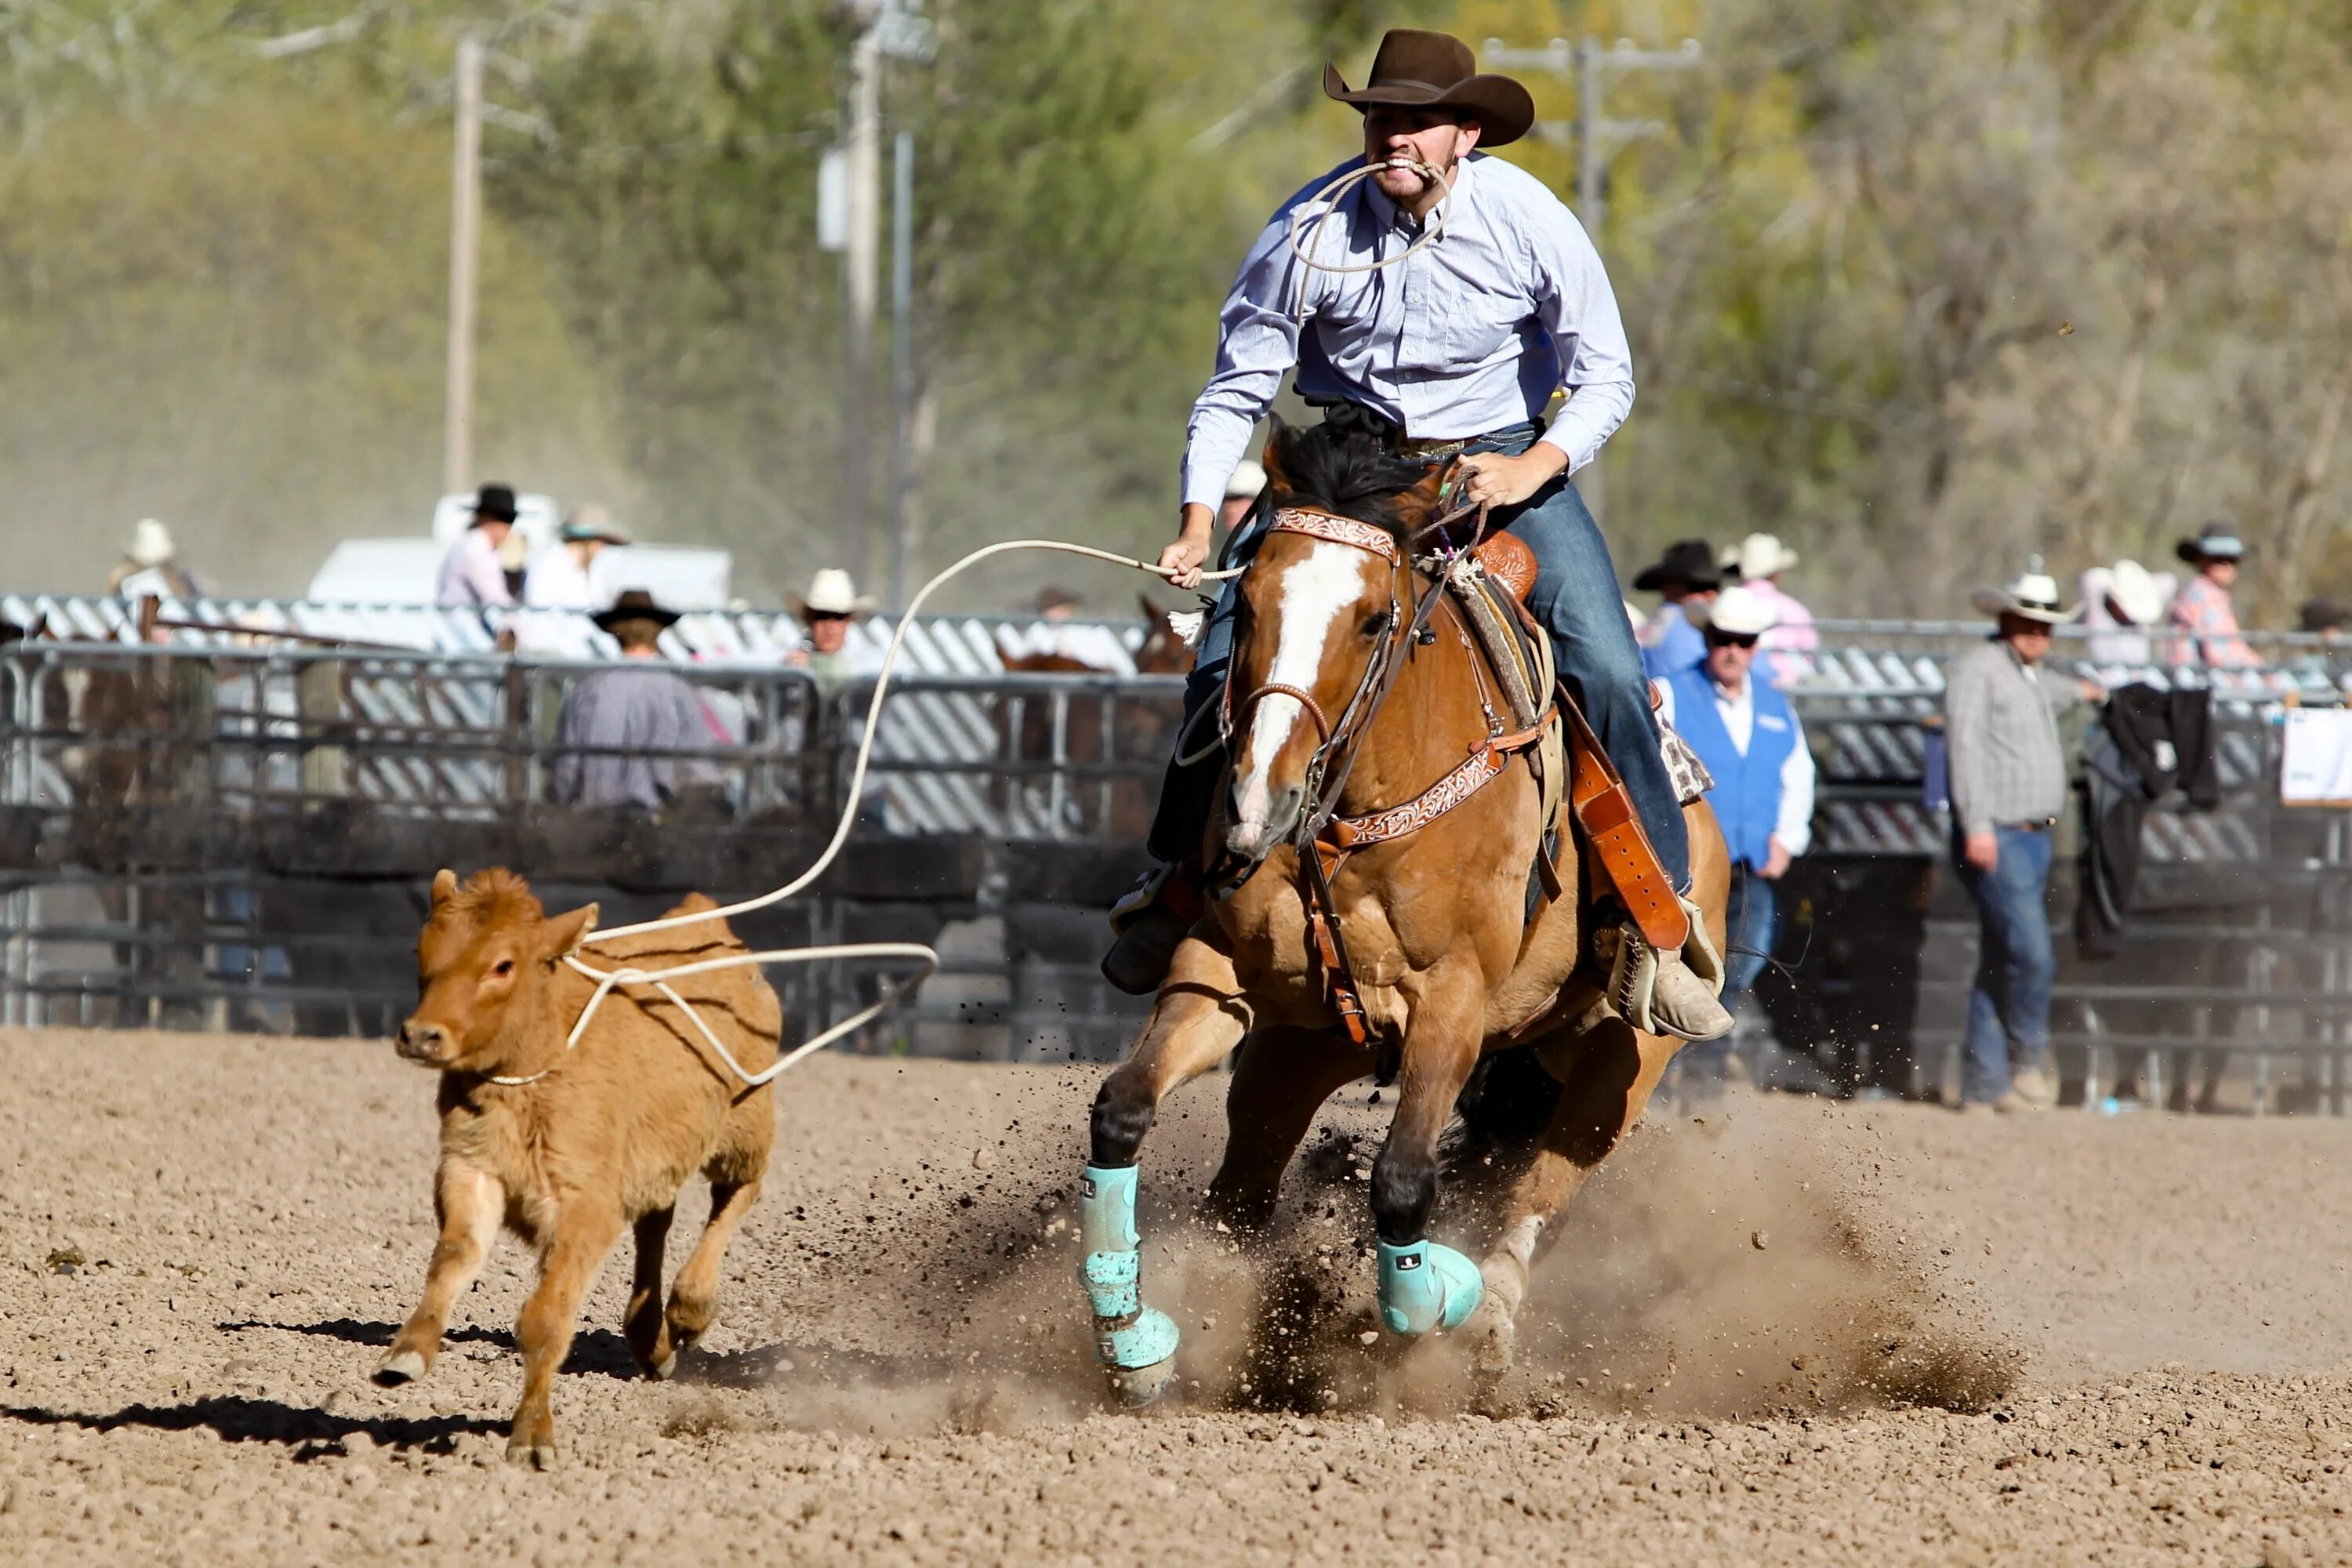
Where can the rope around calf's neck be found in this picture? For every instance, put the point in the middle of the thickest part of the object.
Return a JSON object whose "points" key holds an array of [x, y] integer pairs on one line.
{"points": [[629, 974]]}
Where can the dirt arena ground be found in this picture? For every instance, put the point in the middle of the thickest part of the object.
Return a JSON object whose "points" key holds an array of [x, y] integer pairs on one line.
{"points": [[1793, 1334]]}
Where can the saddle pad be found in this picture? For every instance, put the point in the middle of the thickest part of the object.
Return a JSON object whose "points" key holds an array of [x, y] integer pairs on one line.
{"points": [[1688, 775], [1522, 664]]}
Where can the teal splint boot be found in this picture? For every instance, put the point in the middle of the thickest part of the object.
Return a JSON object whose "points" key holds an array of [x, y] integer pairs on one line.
{"points": [[1135, 1344], [1427, 1288]]}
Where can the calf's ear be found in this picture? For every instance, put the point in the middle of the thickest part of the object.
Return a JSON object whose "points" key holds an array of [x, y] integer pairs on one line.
{"points": [[560, 937], [444, 886]]}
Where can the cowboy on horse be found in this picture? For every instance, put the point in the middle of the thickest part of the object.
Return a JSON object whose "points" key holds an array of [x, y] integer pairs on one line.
{"points": [[1450, 354]]}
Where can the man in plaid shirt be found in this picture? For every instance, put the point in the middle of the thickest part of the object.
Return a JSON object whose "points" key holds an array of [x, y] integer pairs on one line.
{"points": [[2009, 783]]}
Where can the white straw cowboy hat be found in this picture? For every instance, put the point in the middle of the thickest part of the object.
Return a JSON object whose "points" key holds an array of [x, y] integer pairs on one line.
{"points": [[2132, 591], [151, 543], [2032, 594], [1758, 556], [1249, 477], [1737, 611], [830, 591]]}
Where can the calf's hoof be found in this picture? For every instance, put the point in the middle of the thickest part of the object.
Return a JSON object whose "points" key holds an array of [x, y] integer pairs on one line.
{"points": [[662, 1371], [538, 1456], [398, 1367]]}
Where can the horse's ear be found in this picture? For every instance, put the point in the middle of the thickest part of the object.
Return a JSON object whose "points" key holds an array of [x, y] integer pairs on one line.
{"points": [[1417, 505], [1277, 442], [1151, 612]]}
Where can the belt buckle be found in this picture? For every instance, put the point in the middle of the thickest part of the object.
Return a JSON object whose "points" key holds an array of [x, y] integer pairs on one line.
{"points": [[1431, 451]]}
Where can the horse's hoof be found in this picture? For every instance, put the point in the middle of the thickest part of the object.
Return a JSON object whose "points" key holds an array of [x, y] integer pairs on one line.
{"points": [[1140, 1387], [662, 1371], [398, 1367], [537, 1455]]}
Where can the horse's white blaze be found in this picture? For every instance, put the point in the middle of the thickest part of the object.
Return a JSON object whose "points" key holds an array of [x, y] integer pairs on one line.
{"points": [[1315, 592]]}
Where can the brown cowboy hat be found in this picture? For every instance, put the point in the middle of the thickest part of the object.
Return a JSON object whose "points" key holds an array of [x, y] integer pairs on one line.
{"points": [[1436, 70]]}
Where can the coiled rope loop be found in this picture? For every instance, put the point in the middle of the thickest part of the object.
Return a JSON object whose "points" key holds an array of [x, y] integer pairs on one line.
{"points": [[929, 961], [1327, 199]]}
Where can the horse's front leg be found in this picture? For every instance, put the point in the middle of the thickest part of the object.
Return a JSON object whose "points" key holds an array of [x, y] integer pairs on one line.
{"points": [[1284, 1077], [1198, 1017], [1606, 1077], [1425, 1288]]}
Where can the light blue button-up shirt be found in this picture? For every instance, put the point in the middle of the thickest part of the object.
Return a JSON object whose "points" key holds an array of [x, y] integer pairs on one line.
{"points": [[1474, 332]]}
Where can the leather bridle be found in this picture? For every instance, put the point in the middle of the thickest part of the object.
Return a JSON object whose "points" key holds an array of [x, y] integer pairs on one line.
{"points": [[1320, 838]]}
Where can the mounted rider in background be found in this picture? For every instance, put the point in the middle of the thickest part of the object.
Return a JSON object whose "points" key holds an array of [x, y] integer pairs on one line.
{"points": [[1458, 351]]}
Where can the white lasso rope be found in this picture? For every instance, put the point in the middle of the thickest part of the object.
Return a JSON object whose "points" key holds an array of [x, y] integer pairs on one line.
{"points": [[1304, 214], [659, 978]]}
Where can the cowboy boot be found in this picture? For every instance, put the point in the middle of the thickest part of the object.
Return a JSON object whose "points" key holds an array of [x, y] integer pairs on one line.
{"points": [[1677, 994], [1151, 922]]}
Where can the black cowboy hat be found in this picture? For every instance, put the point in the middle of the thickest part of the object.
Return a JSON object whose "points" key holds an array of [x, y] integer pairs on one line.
{"points": [[1690, 562], [2217, 540], [1435, 70], [634, 605], [495, 504]]}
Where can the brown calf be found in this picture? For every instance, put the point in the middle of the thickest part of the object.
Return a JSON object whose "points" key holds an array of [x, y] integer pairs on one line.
{"points": [[603, 1140]]}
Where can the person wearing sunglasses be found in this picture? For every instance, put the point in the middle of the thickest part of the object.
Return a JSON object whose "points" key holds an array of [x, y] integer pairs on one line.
{"points": [[1744, 730]]}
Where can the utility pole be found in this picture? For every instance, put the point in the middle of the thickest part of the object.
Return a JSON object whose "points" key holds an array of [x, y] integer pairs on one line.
{"points": [[894, 30], [465, 248], [865, 163], [1597, 136], [902, 364]]}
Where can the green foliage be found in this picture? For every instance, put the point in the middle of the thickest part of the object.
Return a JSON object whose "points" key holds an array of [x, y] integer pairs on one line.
{"points": [[1922, 286], [234, 317]]}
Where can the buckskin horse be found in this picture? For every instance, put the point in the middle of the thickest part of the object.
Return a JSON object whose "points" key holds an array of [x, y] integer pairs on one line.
{"points": [[1387, 922]]}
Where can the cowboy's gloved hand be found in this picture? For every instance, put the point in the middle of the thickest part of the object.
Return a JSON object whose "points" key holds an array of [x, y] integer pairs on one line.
{"points": [[1490, 478]]}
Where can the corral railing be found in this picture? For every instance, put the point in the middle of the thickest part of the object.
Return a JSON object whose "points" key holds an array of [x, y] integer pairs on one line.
{"points": [[234, 825]]}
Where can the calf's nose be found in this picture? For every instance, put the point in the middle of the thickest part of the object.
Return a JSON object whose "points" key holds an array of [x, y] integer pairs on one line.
{"points": [[420, 1041]]}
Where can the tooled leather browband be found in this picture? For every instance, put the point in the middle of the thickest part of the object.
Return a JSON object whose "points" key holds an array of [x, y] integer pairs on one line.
{"points": [[1338, 530]]}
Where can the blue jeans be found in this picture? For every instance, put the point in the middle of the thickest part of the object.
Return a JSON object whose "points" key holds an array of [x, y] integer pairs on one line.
{"points": [[2009, 1007], [1748, 929], [1576, 600]]}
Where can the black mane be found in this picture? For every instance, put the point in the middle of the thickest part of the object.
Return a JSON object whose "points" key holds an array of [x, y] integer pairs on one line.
{"points": [[1346, 472]]}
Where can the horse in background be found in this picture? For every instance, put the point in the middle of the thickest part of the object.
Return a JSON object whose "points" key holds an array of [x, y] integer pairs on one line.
{"points": [[1140, 730]]}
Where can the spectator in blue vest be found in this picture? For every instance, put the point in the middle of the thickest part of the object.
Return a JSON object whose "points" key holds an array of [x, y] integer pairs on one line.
{"points": [[1685, 577], [1744, 731]]}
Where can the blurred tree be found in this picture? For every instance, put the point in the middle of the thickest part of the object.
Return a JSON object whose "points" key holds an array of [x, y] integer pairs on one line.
{"points": [[1921, 285]]}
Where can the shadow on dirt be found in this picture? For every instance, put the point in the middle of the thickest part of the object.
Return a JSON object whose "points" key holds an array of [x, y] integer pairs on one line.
{"points": [[593, 1350], [312, 1433]]}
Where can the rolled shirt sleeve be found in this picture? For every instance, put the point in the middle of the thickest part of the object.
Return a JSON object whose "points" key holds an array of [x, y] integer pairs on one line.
{"points": [[1579, 308], [1257, 343], [1794, 826], [1967, 705]]}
